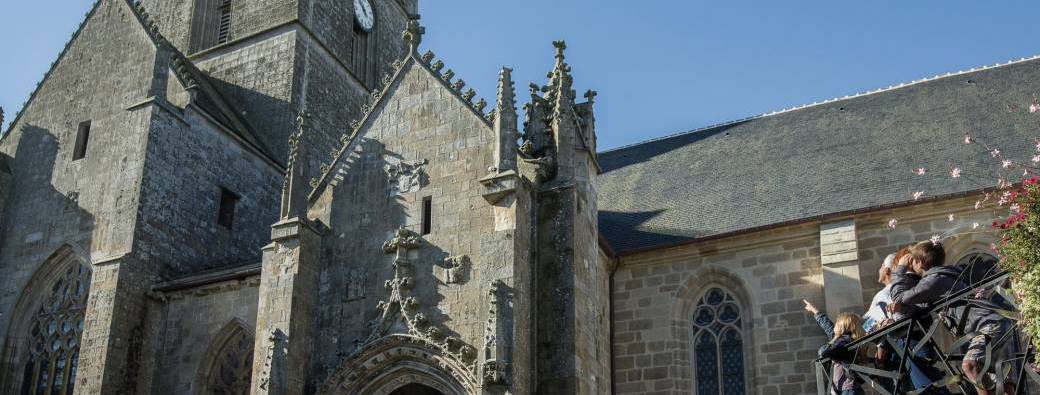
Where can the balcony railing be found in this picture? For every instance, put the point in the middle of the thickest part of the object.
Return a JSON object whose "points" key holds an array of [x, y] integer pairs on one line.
{"points": [[925, 332]]}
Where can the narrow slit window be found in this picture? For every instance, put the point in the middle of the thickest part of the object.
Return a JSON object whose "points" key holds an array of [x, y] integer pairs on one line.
{"points": [[427, 215], [226, 213], [82, 138]]}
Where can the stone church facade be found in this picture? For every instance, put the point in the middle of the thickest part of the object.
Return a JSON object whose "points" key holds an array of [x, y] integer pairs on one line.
{"points": [[289, 197]]}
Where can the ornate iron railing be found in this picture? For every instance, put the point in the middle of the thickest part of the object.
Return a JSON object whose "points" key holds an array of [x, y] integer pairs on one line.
{"points": [[924, 333]]}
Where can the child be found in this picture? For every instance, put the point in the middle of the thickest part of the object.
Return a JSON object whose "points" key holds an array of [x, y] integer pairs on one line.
{"points": [[921, 278], [845, 331]]}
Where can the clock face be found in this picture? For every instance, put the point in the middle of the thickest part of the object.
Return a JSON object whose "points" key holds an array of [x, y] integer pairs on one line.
{"points": [[366, 18]]}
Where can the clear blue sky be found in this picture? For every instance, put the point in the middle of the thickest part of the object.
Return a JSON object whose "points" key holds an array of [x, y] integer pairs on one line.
{"points": [[661, 66]]}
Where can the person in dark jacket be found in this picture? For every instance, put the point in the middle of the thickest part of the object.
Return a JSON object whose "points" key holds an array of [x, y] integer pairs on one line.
{"points": [[921, 278]]}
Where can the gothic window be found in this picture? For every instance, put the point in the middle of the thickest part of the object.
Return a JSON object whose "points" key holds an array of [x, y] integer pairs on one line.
{"points": [[226, 211], [55, 334], [718, 344], [231, 367], [211, 24]]}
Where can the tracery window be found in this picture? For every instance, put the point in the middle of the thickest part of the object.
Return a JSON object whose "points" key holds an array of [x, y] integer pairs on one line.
{"points": [[55, 334], [718, 344], [231, 370]]}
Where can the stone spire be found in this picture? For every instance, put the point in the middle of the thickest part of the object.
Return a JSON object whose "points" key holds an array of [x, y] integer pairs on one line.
{"points": [[294, 189], [506, 132]]}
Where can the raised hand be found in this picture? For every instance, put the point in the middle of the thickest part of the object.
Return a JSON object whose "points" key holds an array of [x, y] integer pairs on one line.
{"points": [[810, 307]]}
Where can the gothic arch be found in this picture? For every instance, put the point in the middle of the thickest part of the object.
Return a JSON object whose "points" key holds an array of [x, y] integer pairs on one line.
{"points": [[687, 298], [228, 362], [395, 361], [41, 287]]}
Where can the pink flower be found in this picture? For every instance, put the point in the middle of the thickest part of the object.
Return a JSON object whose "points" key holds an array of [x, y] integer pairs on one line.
{"points": [[1015, 208], [956, 172], [1036, 158], [919, 171], [917, 195], [892, 223], [974, 225], [968, 139], [978, 204], [1034, 107], [1006, 163], [950, 217], [936, 239], [1038, 145], [995, 152], [1005, 198]]}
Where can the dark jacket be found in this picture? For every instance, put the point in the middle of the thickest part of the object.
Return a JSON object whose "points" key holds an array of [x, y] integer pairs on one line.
{"points": [[843, 379], [938, 282]]}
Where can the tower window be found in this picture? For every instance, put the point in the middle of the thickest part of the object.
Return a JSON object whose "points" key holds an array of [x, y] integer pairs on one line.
{"points": [[427, 215], [211, 24], [82, 137], [359, 52], [226, 213], [224, 30]]}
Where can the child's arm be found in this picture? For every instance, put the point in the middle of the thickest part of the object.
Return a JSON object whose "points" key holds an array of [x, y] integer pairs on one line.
{"points": [[821, 318], [836, 349]]}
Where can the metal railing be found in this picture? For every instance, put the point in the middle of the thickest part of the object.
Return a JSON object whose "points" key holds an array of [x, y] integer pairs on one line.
{"points": [[922, 334]]}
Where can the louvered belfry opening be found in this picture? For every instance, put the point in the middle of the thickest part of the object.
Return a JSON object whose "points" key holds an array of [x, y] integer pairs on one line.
{"points": [[211, 24], [359, 53], [224, 32]]}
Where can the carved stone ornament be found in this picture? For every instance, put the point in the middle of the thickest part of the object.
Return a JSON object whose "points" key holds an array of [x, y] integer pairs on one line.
{"points": [[401, 312], [455, 273], [356, 281], [406, 176]]}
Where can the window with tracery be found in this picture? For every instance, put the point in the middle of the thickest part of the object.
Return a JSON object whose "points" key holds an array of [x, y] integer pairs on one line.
{"points": [[55, 334], [718, 344], [232, 367]]}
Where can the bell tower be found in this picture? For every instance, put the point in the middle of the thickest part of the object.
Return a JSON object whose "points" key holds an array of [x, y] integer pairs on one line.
{"points": [[276, 59]]}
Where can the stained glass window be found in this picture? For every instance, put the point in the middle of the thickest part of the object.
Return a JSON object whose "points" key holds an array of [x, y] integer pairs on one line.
{"points": [[55, 334], [232, 368], [718, 344]]}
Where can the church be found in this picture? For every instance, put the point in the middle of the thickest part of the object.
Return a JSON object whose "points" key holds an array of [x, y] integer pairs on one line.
{"points": [[295, 197]]}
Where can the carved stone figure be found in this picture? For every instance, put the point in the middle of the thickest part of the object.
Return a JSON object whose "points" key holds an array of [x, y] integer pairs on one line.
{"points": [[456, 269], [405, 176]]}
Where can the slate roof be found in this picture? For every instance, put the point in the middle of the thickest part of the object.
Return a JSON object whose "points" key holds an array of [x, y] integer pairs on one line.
{"points": [[840, 156]]}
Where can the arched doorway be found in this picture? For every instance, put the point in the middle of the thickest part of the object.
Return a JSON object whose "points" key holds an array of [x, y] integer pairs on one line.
{"points": [[416, 389]]}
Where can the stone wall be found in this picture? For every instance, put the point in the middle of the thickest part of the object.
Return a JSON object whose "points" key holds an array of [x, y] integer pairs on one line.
{"points": [[189, 160], [89, 203], [185, 325], [422, 124], [768, 272]]}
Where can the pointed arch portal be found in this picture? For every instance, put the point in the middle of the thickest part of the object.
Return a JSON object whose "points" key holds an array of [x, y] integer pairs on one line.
{"points": [[401, 365]]}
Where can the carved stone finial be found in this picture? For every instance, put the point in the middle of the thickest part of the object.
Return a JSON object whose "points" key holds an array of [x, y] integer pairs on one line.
{"points": [[448, 75], [437, 66], [561, 46], [1, 116], [459, 85], [590, 95], [413, 35], [469, 95], [427, 56], [481, 105]]}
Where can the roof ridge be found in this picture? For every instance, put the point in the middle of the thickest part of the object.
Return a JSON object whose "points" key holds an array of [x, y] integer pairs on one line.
{"points": [[829, 101], [54, 64]]}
